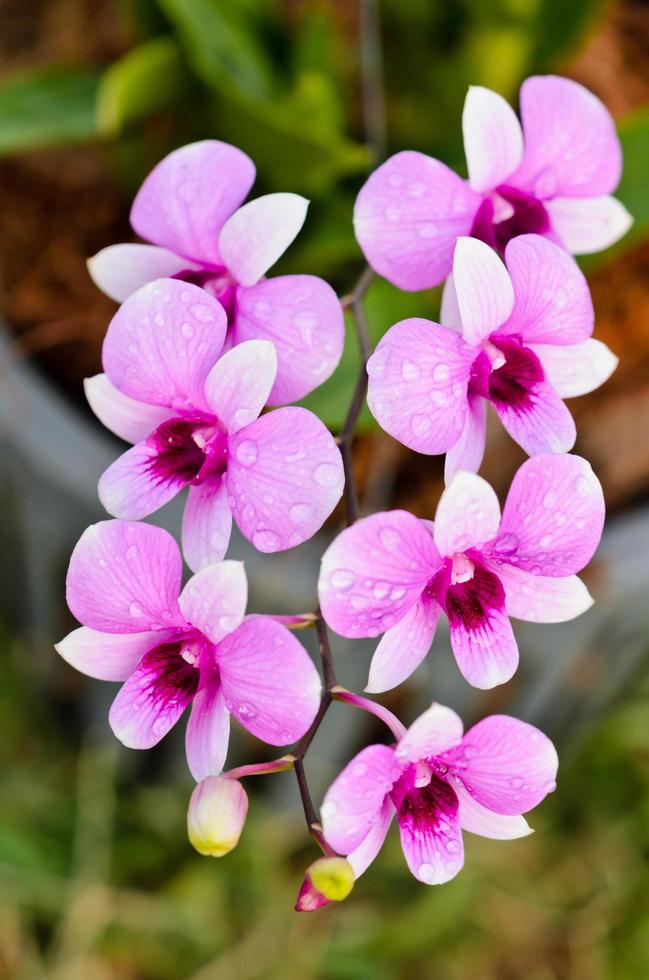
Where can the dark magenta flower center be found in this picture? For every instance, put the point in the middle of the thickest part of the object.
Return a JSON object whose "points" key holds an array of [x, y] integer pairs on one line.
{"points": [[172, 669], [528, 216], [427, 804], [467, 591], [189, 451], [506, 372]]}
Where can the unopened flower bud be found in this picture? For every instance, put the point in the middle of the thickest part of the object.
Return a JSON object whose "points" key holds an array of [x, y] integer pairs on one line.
{"points": [[216, 815], [329, 879]]}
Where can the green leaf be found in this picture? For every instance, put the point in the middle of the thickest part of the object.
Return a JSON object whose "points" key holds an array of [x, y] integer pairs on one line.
{"points": [[47, 107], [221, 44], [288, 149], [148, 79], [384, 306]]}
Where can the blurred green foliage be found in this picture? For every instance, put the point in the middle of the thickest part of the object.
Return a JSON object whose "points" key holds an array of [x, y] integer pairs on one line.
{"points": [[98, 882]]}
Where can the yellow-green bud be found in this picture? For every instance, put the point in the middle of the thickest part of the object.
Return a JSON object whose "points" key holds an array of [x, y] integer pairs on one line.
{"points": [[329, 879], [216, 815]]}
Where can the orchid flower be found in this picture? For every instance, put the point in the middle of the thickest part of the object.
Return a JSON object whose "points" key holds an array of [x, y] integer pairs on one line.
{"points": [[393, 573], [189, 208], [439, 783], [519, 337], [193, 419], [173, 649], [554, 176]]}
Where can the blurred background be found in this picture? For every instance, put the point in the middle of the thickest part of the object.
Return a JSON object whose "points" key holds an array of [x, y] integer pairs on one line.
{"points": [[97, 880]]}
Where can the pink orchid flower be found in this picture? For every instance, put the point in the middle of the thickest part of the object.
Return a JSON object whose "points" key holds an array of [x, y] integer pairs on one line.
{"points": [[193, 419], [553, 177], [174, 648], [439, 783], [393, 573], [189, 207], [519, 337]]}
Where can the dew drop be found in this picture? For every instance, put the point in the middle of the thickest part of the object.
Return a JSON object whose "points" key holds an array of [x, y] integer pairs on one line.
{"points": [[135, 609], [409, 371], [441, 372], [420, 424], [266, 540], [187, 330], [301, 513], [426, 872], [247, 452], [326, 475], [342, 579]]}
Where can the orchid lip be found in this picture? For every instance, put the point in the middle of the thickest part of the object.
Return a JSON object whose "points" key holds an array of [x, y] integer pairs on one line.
{"points": [[190, 450]]}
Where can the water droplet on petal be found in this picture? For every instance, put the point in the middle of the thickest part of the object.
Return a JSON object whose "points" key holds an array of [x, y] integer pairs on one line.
{"points": [[342, 579], [326, 475], [247, 452], [187, 330], [426, 872], [266, 540], [301, 513]]}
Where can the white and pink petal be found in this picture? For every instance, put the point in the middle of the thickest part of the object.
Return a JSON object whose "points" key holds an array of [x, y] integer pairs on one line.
{"points": [[238, 386], [214, 599], [125, 577], [417, 389], [375, 571], [207, 524], [354, 803], [188, 196], [404, 646], [269, 682], [303, 318], [120, 270], [493, 139], [576, 369], [468, 515], [256, 235], [408, 216], [129, 419], [553, 517], [163, 342], [505, 764], [284, 478]]}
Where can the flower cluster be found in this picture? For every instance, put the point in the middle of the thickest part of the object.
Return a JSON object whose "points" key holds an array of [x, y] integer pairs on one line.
{"points": [[203, 344]]}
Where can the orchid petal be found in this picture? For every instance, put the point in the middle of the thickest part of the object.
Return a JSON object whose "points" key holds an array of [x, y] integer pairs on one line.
{"points": [[589, 224], [354, 802], [285, 476], [485, 295], [576, 369], [255, 236], [303, 317], [129, 419], [468, 452], [493, 139], [153, 698], [571, 147], [132, 487], [408, 216], [541, 598], [438, 729], [505, 764], [186, 198], [106, 656], [208, 732], [125, 578], [207, 524], [214, 600], [404, 646], [468, 515], [238, 385], [374, 572], [418, 378], [542, 424], [553, 303], [269, 681], [478, 819], [120, 270], [361, 858], [162, 343], [432, 841], [553, 517]]}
